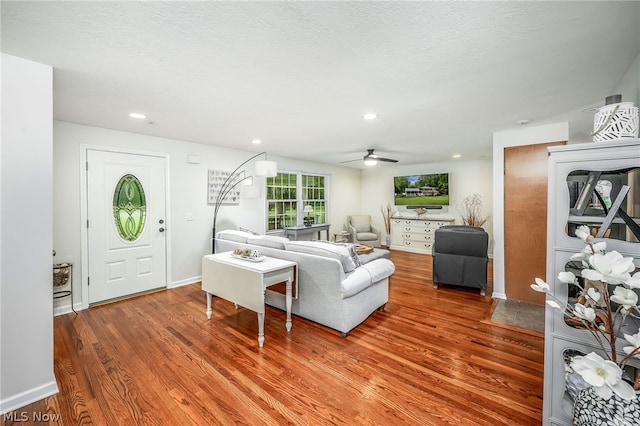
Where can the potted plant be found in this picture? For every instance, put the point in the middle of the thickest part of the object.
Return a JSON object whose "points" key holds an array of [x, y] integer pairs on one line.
{"points": [[386, 216], [606, 299]]}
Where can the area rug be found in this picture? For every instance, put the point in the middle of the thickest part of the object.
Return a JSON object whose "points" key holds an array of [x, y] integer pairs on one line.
{"points": [[519, 314]]}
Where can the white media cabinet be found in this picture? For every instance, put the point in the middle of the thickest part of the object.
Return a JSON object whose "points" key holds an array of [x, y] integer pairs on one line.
{"points": [[416, 234], [615, 160]]}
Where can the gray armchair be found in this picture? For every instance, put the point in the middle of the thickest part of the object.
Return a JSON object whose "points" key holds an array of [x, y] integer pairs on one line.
{"points": [[361, 231], [460, 256]]}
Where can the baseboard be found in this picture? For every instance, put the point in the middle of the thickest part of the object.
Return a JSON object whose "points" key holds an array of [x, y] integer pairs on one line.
{"points": [[185, 282], [66, 309], [497, 295], [25, 398]]}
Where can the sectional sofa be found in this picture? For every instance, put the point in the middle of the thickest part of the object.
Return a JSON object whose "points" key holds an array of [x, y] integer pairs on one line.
{"points": [[336, 287]]}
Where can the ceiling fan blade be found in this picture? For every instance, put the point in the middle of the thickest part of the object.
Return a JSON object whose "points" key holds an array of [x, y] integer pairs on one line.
{"points": [[371, 156]]}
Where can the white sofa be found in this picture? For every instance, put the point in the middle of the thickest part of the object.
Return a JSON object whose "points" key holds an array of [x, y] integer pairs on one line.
{"points": [[335, 288]]}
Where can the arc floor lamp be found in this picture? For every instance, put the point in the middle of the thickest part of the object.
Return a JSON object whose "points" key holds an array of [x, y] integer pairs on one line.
{"points": [[263, 168]]}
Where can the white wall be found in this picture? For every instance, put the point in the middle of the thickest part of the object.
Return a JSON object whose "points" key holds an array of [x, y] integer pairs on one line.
{"points": [[26, 318], [501, 140], [189, 240], [629, 85], [575, 131], [466, 177]]}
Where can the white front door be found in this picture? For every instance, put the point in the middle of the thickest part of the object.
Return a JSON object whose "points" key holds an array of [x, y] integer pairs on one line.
{"points": [[126, 210]]}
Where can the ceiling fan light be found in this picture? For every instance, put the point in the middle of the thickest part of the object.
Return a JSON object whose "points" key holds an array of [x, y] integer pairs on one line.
{"points": [[370, 161]]}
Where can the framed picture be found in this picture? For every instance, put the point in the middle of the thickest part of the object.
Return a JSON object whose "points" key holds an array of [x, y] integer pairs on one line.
{"points": [[215, 180]]}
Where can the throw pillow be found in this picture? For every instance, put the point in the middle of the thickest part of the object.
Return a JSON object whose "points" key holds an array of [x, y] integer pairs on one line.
{"points": [[247, 230], [324, 249], [350, 247]]}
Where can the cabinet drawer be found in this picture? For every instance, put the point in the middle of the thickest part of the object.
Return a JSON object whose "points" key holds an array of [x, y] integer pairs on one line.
{"points": [[422, 245], [418, 237], [416, 230]]}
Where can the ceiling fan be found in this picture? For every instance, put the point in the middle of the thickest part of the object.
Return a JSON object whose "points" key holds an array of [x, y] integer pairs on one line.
{"points": [[371, 159]]}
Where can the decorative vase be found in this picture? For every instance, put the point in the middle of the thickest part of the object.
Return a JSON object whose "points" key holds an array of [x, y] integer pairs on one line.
{"points": [[615, 120], [591, 410]]}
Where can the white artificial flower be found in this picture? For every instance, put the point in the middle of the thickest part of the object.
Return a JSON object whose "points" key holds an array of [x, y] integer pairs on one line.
{"points": [[540, 286], [625, 297], [584, 233], [629, 349], [593, 294], [567, 277], [635, 344], [589, 250], [584, 313], [634, 339], [634, 281], [604, 375], [554, 304], [611, 268]]}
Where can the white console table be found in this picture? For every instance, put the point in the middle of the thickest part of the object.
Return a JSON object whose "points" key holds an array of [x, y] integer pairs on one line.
{"points": [[416, 234], [244, 282]]}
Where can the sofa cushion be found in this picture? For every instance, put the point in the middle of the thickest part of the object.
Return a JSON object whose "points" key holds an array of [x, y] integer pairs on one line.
{"points": [[323, 249], [233, 235], [366, 236], [272, 241], [361, 223], [379, 269]]}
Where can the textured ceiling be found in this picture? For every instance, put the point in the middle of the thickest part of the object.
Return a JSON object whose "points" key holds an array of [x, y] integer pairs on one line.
{"points": [[443, 76]]}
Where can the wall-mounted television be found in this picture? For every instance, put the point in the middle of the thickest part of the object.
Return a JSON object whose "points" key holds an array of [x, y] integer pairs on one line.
{"points": [[422, 190]]}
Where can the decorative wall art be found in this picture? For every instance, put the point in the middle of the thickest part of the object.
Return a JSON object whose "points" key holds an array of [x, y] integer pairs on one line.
{"points": [[216, 179]]}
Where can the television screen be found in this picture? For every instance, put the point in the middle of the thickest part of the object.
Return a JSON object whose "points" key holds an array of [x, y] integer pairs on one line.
{"points": [[422, 190]]}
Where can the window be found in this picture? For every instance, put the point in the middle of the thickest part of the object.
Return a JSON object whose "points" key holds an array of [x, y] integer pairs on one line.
{"points": [[129, 208], [287, 195]]}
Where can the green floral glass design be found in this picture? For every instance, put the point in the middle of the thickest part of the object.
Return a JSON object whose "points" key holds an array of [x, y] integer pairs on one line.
{"points": [[129, 208]]}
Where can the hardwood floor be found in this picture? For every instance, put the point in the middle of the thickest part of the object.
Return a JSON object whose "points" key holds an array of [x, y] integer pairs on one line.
{"points": [[431, 358]]}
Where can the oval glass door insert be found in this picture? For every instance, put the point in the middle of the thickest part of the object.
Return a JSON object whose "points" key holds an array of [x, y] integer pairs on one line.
{"points": [[129, 208]]}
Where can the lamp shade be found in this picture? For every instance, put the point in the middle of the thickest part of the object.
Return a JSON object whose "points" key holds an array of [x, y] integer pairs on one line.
{"points": [[308, 209], [266, 168], [251, 191]]}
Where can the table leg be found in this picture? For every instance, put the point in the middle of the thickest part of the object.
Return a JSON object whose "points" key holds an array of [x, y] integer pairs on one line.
{"points": [[261, 329], [289, 290], [208, 305]]}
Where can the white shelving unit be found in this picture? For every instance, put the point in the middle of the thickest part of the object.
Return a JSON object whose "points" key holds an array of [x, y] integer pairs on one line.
{"points": [[563, 160]]}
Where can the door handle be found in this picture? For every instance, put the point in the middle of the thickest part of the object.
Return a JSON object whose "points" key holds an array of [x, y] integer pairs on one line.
{"points": [[161, 229]]}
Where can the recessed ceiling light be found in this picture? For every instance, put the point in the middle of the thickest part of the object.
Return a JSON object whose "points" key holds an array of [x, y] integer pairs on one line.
{"points": [[137, 115], [456, 155], [256, 141], [370, 116]]}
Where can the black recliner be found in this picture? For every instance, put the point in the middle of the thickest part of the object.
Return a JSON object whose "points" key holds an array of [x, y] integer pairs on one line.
{"points": [[460, 256]]}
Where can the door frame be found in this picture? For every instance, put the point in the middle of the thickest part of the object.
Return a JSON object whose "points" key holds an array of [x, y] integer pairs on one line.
{"points": [[543, 133], [84, 236]]}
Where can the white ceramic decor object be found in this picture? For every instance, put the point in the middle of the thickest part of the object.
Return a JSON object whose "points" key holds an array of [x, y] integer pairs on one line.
{"points": [[615, 121]]}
